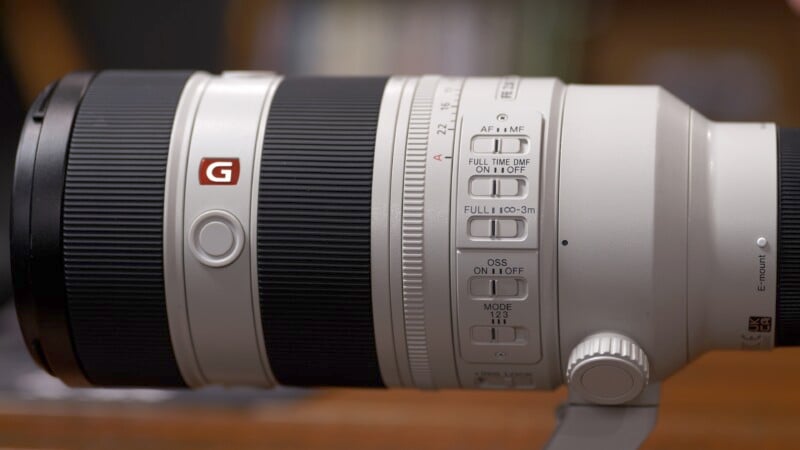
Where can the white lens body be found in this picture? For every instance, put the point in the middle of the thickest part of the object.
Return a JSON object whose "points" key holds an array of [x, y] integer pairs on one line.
{"points": [[512, 218], [662, 211], [732, 247], [211, 290]]}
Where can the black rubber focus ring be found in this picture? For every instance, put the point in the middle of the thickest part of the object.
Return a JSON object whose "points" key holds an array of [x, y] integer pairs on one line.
{"points": [[787, 330], [314, 199], [113, 225]]}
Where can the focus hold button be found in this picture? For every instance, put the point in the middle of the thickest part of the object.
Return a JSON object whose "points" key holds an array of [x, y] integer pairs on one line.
{"points": [[216, 238]]}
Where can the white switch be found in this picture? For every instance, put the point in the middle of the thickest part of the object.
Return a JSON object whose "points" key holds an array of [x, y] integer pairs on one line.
{"points": [[495, 228], [506, 228], [482, 334], [485, 145], [481, 228], [505, 334], [510, 145], [493, 335], [495, 287], [488, 186], [483, 186], [506, 287], [508, 187], [482, 287]]}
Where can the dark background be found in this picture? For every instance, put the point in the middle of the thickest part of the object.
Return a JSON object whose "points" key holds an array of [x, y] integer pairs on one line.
{"points": [[729, 59]]}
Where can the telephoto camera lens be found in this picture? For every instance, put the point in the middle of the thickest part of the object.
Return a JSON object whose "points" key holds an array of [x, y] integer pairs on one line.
{"points": [[184, 229]]}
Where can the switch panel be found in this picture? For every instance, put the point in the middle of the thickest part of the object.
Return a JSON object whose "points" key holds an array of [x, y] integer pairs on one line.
{"points": [[498, 190], [496, 232], [498, 305]]}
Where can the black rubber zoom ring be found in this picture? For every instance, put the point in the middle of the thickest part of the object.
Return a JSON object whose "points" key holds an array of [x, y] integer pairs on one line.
{"points": [[787, 330], [112, 228], [314, 210]]}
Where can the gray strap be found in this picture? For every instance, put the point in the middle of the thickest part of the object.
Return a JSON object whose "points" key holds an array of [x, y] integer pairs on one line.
{"points": [[603, 427], [586, 426]]}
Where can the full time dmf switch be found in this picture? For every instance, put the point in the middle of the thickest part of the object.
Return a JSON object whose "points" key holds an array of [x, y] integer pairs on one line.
{"points": [[497, 187]]}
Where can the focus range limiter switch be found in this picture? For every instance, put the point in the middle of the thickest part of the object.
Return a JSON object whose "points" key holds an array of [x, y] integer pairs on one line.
{"points": [[496, 228]]}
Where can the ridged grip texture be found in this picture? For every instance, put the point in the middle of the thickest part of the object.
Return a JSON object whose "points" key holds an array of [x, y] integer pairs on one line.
{"points": [[313, 245], [607, 368], [112, 228], [608, 345], [787, 329], [412, 233]]}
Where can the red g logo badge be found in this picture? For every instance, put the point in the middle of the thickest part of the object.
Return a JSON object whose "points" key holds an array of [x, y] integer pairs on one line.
{"points": [[219, 171]]}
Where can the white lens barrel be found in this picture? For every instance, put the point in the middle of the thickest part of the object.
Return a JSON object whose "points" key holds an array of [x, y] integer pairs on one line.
{"points": [[733, 242], [505, 313], [623, 214], [174, 190], [428, 232], [447, 333], [221, 311], [668, 226], [605, 210]]}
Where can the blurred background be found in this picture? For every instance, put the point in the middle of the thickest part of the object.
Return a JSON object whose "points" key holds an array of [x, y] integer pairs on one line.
{"points": [[732, 60]]}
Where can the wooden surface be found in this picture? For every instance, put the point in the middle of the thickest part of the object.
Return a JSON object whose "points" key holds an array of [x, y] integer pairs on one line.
{"points": [[722, 401]]}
